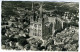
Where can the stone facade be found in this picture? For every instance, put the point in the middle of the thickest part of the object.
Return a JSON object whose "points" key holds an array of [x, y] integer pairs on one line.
{"points": [[39, 25], [42, 25]]}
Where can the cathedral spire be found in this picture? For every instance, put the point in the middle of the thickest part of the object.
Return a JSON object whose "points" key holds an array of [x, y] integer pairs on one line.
{"points": [[40, 9], [32, 6]]}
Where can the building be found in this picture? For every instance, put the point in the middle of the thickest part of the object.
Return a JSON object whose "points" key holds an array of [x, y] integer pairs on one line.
{"points": [[42, 25], [39, 24]]}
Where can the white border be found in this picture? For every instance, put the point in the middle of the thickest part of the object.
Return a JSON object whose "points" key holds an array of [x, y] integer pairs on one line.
{"points": [[46, 0], [39, 0]]}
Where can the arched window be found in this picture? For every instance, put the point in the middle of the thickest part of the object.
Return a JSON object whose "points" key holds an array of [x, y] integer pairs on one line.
{"points": [[35, 32], [39, 25], [31, 23], [39, 32], [35, 25]]}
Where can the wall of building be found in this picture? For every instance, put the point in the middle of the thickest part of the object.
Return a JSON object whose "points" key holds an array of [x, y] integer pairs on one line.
{"points": [[36, 28], [46, 31]]}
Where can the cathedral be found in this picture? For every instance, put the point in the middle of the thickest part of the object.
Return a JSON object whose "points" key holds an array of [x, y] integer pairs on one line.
{"points": [[42, 25], [39, 25]]}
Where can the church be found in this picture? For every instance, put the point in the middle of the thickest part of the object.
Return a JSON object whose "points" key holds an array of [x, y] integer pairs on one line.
{"points": [[41, 25]]}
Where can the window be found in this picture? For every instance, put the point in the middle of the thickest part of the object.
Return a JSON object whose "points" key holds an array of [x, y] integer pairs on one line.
{"points": [[39, 25], [35, 30], [35, 25], [38, 35], [31, 23], [39, 32], [33, 33]]}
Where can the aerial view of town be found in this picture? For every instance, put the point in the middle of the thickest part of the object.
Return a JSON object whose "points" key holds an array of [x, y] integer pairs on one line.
{"points": [[39, 25]]}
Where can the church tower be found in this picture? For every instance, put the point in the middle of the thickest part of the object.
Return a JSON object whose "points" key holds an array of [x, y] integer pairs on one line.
{"points": [[39, 25], [36, 22]]}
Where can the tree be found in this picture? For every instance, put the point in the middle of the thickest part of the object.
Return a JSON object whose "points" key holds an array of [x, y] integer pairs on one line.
{"points": [[41, 47], [3, 31], [27, 46], [4, 37], [27, 36], [12, 25], [23, 42], [13, 39]]}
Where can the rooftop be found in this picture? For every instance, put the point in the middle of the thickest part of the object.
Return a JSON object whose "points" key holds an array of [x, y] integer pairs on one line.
{"points": [[47, 24]]}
